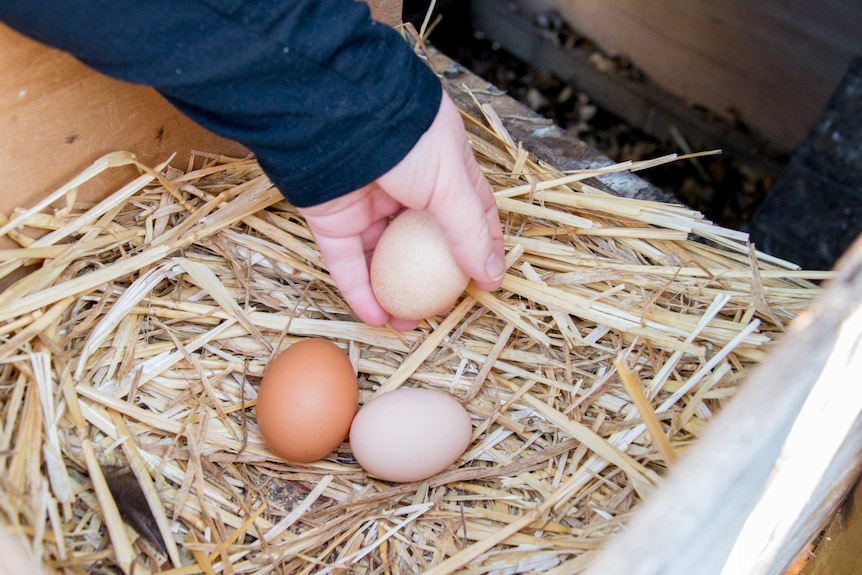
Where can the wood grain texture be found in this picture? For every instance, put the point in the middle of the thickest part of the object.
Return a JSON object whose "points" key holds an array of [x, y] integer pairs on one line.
{"points": [[57, 116], [838, 551], [760, 485], [771, 64]]}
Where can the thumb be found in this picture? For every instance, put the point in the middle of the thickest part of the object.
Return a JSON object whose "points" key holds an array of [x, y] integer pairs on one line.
{"points": [[442, 176], [463, 205], [466, 212]]}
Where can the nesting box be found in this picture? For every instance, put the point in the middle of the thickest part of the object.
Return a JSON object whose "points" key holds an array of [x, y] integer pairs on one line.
{"points": [[644, 383]]}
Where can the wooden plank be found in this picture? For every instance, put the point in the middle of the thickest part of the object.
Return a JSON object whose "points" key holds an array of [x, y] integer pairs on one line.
{"points": [[539, 135], [824, 171], [762, 482], [779, 394], [640, 102], [57, 116], [838, 552], [773, 64]]}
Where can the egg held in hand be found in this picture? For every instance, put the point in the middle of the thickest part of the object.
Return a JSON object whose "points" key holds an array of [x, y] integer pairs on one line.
{"points": [[413, 273], [410, 434], [307, 400]]}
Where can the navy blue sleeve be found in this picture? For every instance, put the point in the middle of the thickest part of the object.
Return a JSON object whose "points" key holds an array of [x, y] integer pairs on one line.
{"points": [[326, 98]]}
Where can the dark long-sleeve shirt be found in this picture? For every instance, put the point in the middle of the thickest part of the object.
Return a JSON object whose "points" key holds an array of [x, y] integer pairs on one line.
{"points": [[326, 98]]}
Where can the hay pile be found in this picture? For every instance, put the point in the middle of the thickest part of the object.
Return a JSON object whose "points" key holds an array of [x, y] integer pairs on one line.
{"points": [[130, 361]]}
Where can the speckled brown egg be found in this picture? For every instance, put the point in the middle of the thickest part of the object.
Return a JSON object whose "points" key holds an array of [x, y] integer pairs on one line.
{"points": [[413, 273], [307, 400]]}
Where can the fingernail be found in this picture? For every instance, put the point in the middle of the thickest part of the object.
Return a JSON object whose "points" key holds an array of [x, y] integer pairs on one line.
{"points": [[495, 267]]}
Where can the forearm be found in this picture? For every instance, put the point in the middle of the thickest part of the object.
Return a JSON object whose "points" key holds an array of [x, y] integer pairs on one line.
{"points": [[326, 98]]}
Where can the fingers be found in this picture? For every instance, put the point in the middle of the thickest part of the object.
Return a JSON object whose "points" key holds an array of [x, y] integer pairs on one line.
{"points": [[346, 231], [403, 324], [495, 262], [471, 229], [441, 175], [348, 266], [477, 237], [345, 258]]}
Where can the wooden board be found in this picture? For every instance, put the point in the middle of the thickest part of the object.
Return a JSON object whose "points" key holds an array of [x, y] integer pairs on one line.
{"points": [[636, 100], [761, 485], [57, 116], [837, 555], [771, 64], [539, 135], [838, 552]]}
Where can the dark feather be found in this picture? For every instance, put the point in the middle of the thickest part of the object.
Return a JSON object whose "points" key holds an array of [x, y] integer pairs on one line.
{"points": [[133, 505]]}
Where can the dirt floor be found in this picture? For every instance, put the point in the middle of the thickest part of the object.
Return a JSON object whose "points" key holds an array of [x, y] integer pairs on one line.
{"points": [[726, 190]]}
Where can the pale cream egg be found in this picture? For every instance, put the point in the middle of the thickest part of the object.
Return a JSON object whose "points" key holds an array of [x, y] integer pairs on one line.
{"points": [[410, 434], [413, 273]]}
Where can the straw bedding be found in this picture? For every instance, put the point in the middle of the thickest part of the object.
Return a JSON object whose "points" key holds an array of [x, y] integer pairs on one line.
{"points": [[131, 357]]}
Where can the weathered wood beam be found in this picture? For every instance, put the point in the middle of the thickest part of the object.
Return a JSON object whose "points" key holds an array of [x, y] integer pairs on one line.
{"points": [[773, 467], [639, 102]]}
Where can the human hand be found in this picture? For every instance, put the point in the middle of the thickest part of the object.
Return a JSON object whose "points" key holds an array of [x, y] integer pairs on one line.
{"points": [[439, 174]]}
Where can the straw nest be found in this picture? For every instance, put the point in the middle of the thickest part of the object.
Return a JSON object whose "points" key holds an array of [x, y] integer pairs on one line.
{"points": [[130, 361]]}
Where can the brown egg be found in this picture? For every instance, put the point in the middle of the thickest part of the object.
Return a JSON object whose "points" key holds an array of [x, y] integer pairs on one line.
{"points": [[413, 273], [307, 401]]}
